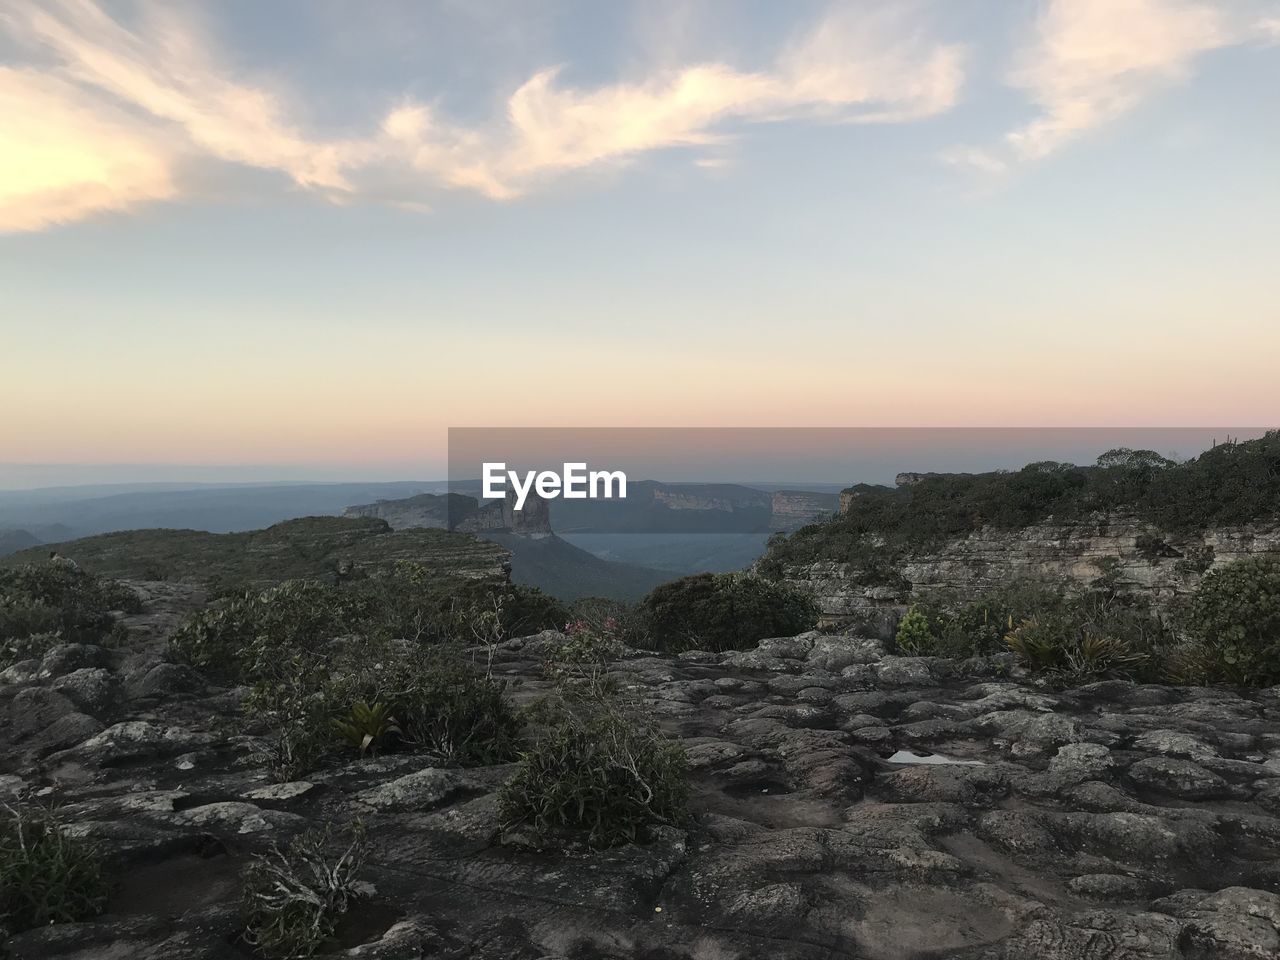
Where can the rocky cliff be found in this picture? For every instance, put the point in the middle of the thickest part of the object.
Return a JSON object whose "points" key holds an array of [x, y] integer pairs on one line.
{"points": [[792, 509], [1138, 557], [460, 513]]}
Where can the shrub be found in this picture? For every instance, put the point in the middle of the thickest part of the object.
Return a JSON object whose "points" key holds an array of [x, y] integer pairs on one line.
{"points": [[976, 626], [1231, 483], [724, 611], [450, 708], [294, 898], [1071, 651], [600, 770], [441, 704], [237, 640], [1234, 618], [914, 635], [58, 600], [588, 643], [46, 876]]}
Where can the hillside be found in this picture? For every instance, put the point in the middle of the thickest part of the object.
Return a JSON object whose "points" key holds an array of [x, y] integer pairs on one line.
{"points": [[311, 547], [568, 572], [1152, 527], [538, 557], [11, 541], [85, 511]]}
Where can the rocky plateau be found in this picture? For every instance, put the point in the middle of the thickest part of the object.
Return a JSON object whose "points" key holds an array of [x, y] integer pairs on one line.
{"points": [[847, 803]]}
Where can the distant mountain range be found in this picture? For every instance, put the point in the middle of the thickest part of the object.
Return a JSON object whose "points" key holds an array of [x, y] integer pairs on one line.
{"points": [[616, 548]]}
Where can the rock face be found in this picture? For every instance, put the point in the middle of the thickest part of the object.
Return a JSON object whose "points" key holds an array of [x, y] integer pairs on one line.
{"points": [[460, 513], [829, 817], [1142, 559], [793, 509]]}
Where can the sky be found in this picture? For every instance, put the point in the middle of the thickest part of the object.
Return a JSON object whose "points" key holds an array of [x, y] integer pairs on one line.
{"points": [[306, 238]]}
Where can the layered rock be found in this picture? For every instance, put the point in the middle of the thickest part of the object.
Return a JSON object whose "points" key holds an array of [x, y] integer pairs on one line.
{"points": [[1137, 557], [793, 509]]}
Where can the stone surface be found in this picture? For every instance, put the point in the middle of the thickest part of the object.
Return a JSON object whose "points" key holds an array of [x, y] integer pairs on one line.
{"points": [[1112, 822]]}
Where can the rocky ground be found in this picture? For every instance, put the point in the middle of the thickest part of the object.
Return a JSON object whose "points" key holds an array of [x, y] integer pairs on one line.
{"points": [[1110, 821]]}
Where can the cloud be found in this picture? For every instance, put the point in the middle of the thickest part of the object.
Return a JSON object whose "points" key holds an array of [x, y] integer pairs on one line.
{"points": [[61, 161], [130, 103], [1088, 62]]}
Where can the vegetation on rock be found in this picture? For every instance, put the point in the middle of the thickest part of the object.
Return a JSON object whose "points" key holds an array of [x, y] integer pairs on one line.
{"points": [[723, 611], [46, 876], [1234, 626], [44, 604], [599, 770], [294, 898], [1233, 483], [376, 661]]}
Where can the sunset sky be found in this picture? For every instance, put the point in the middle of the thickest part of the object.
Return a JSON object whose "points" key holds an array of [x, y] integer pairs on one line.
{"points": [[311, 236]]}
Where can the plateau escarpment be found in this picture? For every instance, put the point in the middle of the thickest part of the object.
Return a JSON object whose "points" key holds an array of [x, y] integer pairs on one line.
{"points": [[1135, 557], [1140, 524]]}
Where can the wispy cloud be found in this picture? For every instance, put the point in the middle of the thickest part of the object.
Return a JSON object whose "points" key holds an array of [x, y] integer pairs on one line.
{"points": [[122, 106], [1088, 62]]}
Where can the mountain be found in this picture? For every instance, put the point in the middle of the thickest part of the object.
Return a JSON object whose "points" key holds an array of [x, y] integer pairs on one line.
{"points": [[11, 541], [86, 511], [538, 557], [568, 572]]}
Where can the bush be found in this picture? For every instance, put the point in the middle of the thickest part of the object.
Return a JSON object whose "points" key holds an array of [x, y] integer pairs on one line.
{"points": [[600, 770], [237, 641], [1234, 621], [1071, 639], [1071, 651], [914, 635], [724, 611], [428, 699], [46, 876], [61, 602], [294, 898], [976, 626], [1230, 484], [449, 708]]}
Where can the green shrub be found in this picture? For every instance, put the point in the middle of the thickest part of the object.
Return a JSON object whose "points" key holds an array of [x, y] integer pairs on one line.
{"points": [[1234, 619], [914, 635], [1071, 651], [1232, 483], [976, 626], [441, 704], [46, 876], [367, 727], [451, 708], [58, 600], [235, 640], [294, 898], [598, 770], [724, 611], [238, 640]]}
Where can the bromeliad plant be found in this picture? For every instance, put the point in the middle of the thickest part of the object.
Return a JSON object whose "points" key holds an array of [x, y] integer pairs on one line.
{"points": [[367, 727]]}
